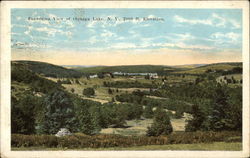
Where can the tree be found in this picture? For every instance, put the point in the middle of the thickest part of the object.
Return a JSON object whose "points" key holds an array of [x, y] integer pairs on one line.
{"points": [[178, 114], [88, 92], [234, 111], [197, 121], [110, 91], [161, 124], [59, 113], [72, 90], [148, 112], [88, 117], [220, 105], [197, 80], [147, 77], [23, 114], [134, 111], [100, 75], [77, 81]]}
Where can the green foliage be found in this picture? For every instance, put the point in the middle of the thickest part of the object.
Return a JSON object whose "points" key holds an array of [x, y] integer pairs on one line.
{"points": [[227, 109], [161, 124], [20, 73], [80, 140], [110, 91], [88, 114], [197, 121], [59, 113], [201, 137], [49, 70], [89, 92], [148, 112], [128, 69], [123, 84], [23, 114]]}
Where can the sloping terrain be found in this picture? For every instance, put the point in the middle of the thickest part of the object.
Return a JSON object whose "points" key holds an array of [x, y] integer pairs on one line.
{"points": [[129, 69], [212, 67], [49, 70]]}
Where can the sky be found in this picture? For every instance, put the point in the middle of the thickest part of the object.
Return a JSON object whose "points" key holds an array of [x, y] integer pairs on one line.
{"points": [[127, 36]]}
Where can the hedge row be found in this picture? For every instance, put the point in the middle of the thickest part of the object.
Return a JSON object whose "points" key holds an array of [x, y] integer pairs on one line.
{"points": [[79, 140]]}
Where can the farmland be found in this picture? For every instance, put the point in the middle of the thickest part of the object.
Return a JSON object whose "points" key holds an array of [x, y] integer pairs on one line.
{"points": [[128, 101]]}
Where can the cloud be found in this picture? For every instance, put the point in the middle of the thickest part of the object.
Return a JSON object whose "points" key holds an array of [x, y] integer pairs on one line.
{"points": [[18, 18], [15, 33], [182, 37], [235, 24], [192, 21], [107, 33], [185, 46], [123, 45], [93, 40], [226, 37], [214, 20]]}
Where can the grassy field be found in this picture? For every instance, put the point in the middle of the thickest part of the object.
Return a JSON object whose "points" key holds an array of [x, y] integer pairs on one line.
{"points": [[216, 146], [101, 92], [135, 127], [139, 127]]}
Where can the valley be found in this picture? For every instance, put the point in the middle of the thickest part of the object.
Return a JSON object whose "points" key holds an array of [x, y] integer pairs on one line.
{"points": [[137, 100]]}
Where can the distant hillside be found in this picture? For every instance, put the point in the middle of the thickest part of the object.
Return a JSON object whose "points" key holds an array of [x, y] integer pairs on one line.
{"points": [[130, 69], [23, 79], [49, 70], [212, 67], [189, 66]]}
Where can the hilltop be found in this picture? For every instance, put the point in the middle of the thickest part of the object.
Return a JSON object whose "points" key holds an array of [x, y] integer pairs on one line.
{"points": [[48, 70], [218, 67]]}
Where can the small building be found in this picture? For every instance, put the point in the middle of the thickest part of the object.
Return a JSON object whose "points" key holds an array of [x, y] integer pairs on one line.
{"points": [[93, 76]]}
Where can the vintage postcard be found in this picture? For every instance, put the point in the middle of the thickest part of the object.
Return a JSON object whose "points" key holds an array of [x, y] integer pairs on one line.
{"points": [[125, 79]]}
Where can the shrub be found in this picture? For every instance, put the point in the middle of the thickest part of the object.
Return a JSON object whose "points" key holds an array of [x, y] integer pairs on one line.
{"points": [[80, 140], [161, 124], [88, 91]]}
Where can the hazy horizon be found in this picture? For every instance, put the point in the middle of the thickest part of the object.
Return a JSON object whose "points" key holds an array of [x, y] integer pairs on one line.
{"points": [[126, 65]]}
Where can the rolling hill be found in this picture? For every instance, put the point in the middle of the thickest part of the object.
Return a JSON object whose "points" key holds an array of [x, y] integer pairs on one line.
{"points": [[129, 69], [49, 70], [212, 67], [23, 80]]}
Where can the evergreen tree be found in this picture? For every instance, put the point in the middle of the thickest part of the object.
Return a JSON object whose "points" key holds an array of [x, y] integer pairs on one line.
{"points": [[161, 124], [197, 121], [220, 106], [59, 113], [88, 115], [233, 117], [23, 114], [148, 112]]}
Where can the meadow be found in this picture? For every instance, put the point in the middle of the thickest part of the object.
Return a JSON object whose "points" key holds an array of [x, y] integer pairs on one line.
{"points": [[180, 108]]}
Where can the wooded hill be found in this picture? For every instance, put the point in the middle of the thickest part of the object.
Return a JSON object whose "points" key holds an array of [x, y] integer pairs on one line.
{"points": [[222, 68], [49, 70], [164, 70], [128, 68]]}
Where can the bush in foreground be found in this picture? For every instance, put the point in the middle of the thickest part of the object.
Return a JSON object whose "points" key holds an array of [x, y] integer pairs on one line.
{"points": [[80, 140]]}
